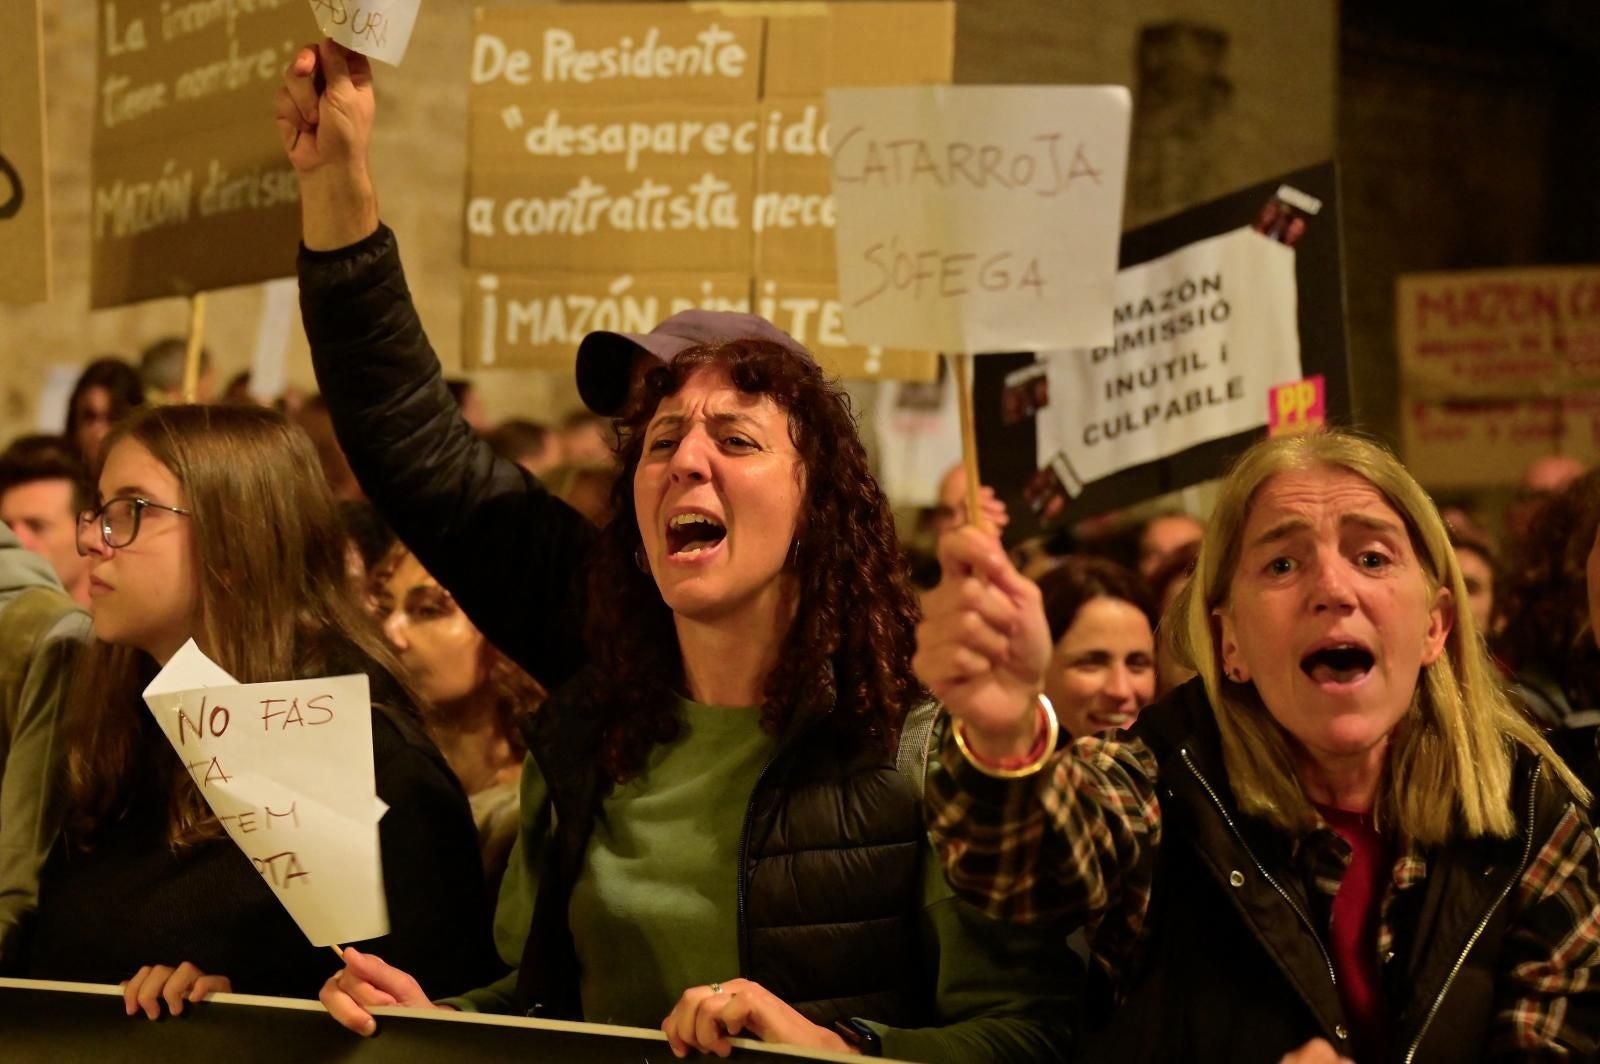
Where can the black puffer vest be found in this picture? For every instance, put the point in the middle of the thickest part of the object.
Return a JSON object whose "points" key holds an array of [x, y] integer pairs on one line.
{"points": [[829, 877], [1236, 968]]}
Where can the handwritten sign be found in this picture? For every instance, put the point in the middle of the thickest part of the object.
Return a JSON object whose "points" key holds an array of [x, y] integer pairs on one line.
{"points": [[674, 150], [24, 193], [190, 187], [538, 322], [978, 219], [287, 768], [378, 28], [1199, 339], [1499, 334]]}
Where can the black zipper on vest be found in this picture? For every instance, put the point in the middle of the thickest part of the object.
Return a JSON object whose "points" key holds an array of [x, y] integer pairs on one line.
{"points": [[744, 849], [1527, 852], [1287, 897]]}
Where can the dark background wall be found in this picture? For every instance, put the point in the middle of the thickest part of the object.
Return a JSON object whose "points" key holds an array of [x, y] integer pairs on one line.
{"points": [[1467, 138]]}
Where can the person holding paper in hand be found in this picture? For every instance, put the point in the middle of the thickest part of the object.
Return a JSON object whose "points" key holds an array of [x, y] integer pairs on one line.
{"points": [[214, 524], [716, 838], [1339, 839]]}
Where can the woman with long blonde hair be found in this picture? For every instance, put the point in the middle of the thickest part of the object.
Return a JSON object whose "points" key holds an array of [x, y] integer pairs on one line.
{"points": [[1339, 840]]}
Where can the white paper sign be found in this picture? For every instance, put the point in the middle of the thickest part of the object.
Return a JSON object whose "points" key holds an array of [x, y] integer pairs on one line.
{"points": [[59, 381], [287, 768], [918, 440], [377, 28], [978, 219], [1201, 336], [280, 312]]}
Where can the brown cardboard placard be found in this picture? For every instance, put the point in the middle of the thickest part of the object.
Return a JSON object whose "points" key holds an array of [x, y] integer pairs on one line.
{"points": [[615, 54], [812, 47], [792, 209], [1476, 443], [190, 187], [809, 311], [1499, 334], [598, 211], [24, 191], [544, 142], [525, 322]]}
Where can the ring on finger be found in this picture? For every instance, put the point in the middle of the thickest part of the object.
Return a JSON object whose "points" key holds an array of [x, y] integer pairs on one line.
{"points": [[716, 988]]}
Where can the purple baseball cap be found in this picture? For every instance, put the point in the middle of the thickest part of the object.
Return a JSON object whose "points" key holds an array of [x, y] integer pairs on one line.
{"points": [[606, 359]]}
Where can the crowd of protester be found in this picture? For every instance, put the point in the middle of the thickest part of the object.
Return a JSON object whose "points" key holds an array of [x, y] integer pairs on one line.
{"points": [[678, 730]]}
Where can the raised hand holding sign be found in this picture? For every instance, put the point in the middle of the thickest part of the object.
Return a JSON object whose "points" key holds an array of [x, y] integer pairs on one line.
{"points": [[324, 113], [379, 28]]}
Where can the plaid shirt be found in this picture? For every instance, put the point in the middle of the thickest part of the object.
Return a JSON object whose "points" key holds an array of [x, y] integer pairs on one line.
{"points": [[1077, 843]]}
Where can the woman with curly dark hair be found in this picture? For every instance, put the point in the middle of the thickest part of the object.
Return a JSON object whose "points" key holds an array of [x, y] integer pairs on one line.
{"points": [[717, 837]]}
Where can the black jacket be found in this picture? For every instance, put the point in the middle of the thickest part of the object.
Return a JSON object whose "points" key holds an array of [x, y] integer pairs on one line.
{"points": [[1258, 982], [830, 909], [466, 514]]}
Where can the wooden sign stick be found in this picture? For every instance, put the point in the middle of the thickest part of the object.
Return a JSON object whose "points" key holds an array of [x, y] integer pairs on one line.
{"points": [[191, 361], [969, 440]]}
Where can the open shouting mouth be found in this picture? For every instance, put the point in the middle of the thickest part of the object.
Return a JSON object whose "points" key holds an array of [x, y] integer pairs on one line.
{"points": [[693, 534], [1338, 663]]}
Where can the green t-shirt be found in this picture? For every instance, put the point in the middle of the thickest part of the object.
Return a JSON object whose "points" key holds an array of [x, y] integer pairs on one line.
{"points": [[653, 911]]}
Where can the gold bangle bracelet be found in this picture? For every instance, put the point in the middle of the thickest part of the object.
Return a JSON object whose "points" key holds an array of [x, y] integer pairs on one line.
{"points": [[1052, 728]]}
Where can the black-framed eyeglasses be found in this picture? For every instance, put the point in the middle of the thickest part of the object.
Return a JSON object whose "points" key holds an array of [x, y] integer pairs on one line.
{"points": [[118, 519]]}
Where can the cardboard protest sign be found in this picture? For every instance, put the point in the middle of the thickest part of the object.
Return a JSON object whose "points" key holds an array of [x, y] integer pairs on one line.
{"points": [[1463, 444], [24, 193], [523, 320], [1498, 367], [975, 219], [1215, 326], [538, 320], [846, 45], [1499, 334], [810, 311], [629, 145], [191, 190], [287, 768], [377, 28], [663, 148]]}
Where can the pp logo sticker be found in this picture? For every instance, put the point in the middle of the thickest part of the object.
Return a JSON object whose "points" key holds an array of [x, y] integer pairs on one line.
{"points": [[1299, 406]]}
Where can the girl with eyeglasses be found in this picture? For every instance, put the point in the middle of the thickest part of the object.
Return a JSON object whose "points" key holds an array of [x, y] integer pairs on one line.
{"points": [[214, 523]]}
